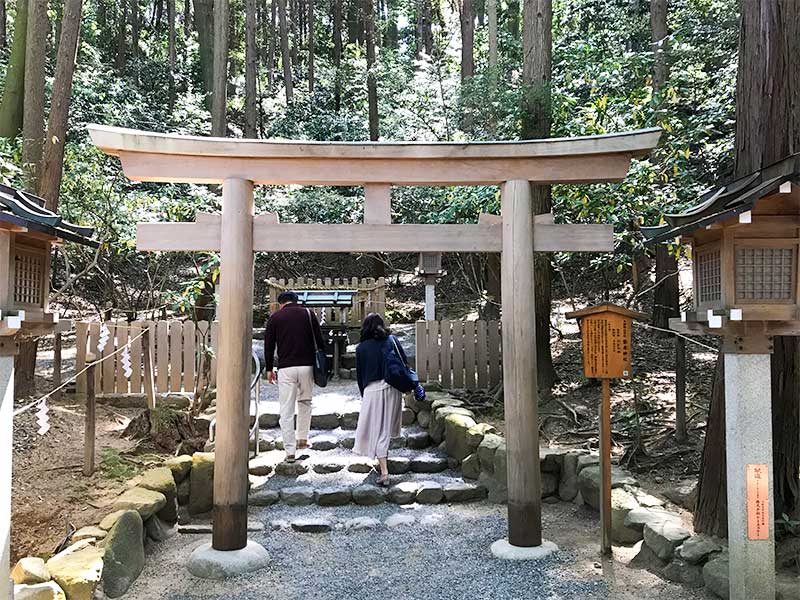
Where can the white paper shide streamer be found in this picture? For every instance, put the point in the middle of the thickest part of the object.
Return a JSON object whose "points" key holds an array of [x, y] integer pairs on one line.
{"points": [[42, 420], [125, 359], [102, 342]]}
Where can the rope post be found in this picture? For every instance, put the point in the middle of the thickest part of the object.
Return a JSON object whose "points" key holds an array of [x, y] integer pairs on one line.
{"points": [[57, 366], [149, 383], [89, 419]]}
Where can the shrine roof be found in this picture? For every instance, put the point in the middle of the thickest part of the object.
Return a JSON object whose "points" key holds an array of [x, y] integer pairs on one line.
{"points": [[607, 307], [726, 201], [27, 210]]}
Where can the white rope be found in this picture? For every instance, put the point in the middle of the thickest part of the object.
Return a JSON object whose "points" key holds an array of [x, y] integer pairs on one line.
{"points": [[676, 334]]}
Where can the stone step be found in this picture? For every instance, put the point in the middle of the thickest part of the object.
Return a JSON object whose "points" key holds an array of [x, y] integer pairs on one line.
{"points": [[341, 461], [413, 437], [416, 488], [323, 420]]}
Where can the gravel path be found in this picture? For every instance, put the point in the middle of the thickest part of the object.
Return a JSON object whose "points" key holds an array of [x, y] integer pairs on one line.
{"points": [[445, 555]]}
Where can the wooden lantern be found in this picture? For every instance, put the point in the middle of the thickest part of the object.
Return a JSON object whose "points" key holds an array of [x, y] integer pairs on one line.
{"points": [[606, 331]]}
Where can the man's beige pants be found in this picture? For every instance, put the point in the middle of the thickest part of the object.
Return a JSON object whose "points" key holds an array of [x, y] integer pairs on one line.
{"points": [[294, 393]]}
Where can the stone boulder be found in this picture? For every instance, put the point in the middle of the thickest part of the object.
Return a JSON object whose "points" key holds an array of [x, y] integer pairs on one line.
{"points": [[30, 570], [368, 495], [497, 491], [684, 572], [180, 466], [463, 492], [124, 556], [424, 418], [184, 492], [201, 483], [324, 442], [162, 480], [663, 538], [49, 590], [587, 460], [684, 495], [398, 465], [716, 577], [568, 477], [429, 492], [334, 496], [77, 572], [437, 427], [549, 484], [476, 434], [157, 530], [418, 440], [622, 503], [551, 459], [262, 497], [325, 421], [641, 516], [90, 532], [349, 420], [470, 467], [698, 549], [145, 502], [312, 525], [441, 400], [501, 465], [428, 464], [486, 449], [589, 483], [403, 493], [787, 553], [298, 496], [109, 520], [408, 417]]}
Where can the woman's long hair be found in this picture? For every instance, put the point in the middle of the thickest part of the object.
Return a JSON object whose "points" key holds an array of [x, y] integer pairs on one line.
{"points": [[374, 328]]}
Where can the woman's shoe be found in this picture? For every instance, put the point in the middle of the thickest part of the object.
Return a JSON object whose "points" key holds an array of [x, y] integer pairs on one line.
{"points": [[383, 481]]}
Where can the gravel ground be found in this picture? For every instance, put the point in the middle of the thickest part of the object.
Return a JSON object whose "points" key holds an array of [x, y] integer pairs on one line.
{"points": [[446, 556]]}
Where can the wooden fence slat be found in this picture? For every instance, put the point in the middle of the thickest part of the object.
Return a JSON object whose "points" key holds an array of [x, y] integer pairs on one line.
{"points": [[109, 364], [94, 338], [121, 382], [446, 354], [469, 355], [421, 350], [458, 354], [495, 373], [81, 339], [175, 356], [433, 350], [481, 360], [189, 355], [162, 356], [215, 347], [136, 357]]}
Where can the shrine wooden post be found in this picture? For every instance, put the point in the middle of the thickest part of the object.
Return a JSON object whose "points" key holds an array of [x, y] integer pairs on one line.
{"points": [[238, 164], [606, 332]]}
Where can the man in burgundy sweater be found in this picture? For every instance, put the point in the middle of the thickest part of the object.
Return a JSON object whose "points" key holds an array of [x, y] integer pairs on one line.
{"points": [[294, 330]]}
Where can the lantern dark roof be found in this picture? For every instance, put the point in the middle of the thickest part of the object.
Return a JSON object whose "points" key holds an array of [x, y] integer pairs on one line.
{"points": [[26, 210], [727, 201]]}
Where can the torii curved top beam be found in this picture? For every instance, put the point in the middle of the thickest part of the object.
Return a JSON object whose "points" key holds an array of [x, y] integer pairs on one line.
{"points": [[148, 156]]}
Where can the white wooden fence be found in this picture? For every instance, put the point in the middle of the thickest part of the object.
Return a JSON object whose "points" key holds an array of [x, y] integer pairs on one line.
{"points": [[175, 348], [459, 354]]}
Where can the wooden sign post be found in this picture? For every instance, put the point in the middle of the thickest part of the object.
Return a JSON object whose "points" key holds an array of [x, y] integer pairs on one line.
{"points": [[606, 336]]}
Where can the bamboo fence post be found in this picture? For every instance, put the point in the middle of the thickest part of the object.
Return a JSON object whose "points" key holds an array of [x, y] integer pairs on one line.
{"points": [[149, 382], [89, 419]]}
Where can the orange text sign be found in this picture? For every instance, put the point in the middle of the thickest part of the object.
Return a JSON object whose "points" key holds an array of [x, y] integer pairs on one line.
{"points": [[757, 502], [606, 345]]}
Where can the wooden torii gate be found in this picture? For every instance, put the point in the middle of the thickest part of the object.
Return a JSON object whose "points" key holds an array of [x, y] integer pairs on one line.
{"points": [[238, 164]]}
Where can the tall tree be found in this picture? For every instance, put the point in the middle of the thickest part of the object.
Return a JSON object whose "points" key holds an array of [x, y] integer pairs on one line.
{"points": [[204, 25], [372, 80], [122, 26], [337, 54], [270, 45], [424, 28], [187, 18], [136, 26], [311, 46], [767, 130], [491, 9], [11, 108], [286, 56], [467, 40], [219, 94], [33, 116], [665, 296], [3, 20], [537, 58], [172, 51], [53, 161], [251, 71]]}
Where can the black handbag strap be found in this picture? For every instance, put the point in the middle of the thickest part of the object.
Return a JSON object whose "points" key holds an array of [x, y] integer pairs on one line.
{"points": [[397, 350], [311, 324]]}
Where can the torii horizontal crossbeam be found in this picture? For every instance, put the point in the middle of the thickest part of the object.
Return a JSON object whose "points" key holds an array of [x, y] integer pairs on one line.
{"points": [[148, 156], [268, 236]]}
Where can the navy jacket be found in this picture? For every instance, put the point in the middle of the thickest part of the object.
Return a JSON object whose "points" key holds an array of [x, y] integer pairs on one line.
{"points": [[370, 360]]}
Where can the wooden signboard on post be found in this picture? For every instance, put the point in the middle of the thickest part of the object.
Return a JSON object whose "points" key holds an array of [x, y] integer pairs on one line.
{"points": [[607, 336]]}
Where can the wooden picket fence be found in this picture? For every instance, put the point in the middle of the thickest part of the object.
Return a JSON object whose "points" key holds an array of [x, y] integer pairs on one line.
{"points": [[459, 354], [371, 296], [175, 348]]}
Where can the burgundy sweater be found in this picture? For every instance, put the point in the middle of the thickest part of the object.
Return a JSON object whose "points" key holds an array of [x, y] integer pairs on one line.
{"points": [[290, 330]]}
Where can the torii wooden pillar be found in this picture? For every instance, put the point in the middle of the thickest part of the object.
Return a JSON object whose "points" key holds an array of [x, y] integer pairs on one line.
{"points": [[238, 164]]}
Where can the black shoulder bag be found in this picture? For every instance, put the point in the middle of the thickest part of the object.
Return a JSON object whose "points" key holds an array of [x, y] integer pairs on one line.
{"points": [[320, 358]]}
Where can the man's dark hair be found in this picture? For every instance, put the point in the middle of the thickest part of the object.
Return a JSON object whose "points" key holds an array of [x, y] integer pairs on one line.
{"points": [[374, 328], [287, 297]]}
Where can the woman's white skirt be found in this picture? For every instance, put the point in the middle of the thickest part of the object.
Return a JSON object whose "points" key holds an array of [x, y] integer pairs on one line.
{"points": [[379, 421]]}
